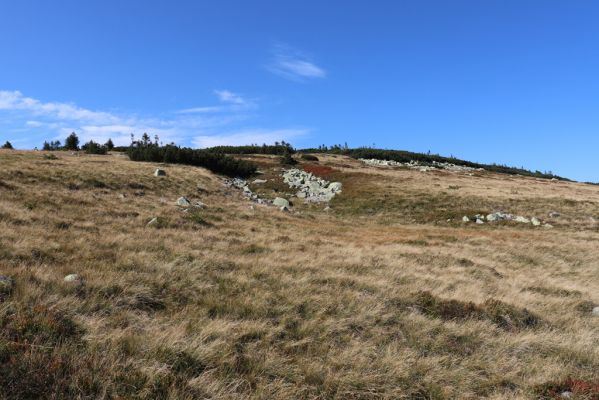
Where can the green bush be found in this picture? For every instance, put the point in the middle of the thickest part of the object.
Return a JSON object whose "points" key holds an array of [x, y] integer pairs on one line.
{"points": [[145, 150], [287, 159], [92, 147], [309, 157], [276, 149]]}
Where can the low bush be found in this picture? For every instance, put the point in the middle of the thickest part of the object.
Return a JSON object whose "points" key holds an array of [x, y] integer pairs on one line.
{"points": [[287, 159], [276, 149], [309, 157], [215, 162]]}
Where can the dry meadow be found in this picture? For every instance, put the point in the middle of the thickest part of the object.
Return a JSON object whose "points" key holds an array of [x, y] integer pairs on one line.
{"points": [[387, 295]]}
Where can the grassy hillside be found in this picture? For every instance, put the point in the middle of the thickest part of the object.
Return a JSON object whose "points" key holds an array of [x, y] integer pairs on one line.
{"points": [[386, 295]]}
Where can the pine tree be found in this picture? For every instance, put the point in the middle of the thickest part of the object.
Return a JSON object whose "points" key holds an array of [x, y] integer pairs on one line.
{"points": [[72, 142]]}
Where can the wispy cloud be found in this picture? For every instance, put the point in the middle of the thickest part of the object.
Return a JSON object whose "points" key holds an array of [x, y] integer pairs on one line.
{"points": [[34, 121], [293, 64], [229, 97], [232, 102]]}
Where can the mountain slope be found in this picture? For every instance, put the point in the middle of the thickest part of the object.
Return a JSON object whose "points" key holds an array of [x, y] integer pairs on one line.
{"points": [[386, 295]]}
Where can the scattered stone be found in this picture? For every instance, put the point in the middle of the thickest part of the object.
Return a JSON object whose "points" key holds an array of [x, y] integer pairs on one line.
{"points": [[121, 196], [595, 311], [183, 202], [252, 208], [153, 222], [284, 209], [554, 214], [566, 394], [327, 208], [159, 172], [501, 216], [258, 181], [548, 226], [422, 167], [73, 278], [199, 204], [6, 284], [280, 202]]}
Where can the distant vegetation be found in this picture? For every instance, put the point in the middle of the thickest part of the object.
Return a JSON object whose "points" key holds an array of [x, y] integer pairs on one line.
{"points": [[407, 156], [217, 160], [72, 143], [92, 147], [277, 148], [146, 150], [7, 145]]}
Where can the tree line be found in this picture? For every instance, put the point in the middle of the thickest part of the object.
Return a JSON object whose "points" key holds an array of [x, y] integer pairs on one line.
{"points": [[72, 143], [218, 162]]}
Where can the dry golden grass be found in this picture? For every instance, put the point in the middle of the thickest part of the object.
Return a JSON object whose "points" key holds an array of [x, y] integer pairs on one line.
{"points": [[379, 298]]}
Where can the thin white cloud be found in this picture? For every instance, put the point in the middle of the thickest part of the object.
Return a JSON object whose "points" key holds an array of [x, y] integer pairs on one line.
{"points": [[233, 102], [257, 136], [229, 97], [202, 110], [52, 120], [293, 64]]}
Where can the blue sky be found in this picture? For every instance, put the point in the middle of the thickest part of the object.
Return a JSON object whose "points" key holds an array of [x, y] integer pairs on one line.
{"points": [[508, 81]]}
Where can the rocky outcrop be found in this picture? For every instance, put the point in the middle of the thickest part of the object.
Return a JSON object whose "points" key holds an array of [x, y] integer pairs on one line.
{"points": [[310, 187], [420, 166]]}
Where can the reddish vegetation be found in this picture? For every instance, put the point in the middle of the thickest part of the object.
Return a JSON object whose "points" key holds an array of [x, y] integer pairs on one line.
{"points": [[589, 390], [319, 170]]}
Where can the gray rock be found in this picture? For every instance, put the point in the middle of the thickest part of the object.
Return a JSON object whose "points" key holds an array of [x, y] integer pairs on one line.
{"points": [[280, 202], [479, 221], [6, 284], [159, 172], [284, 209], [73, 278], [183, 202], [535, 221], [259, 181], [465, 219], [554, 214], [566, 394], [335, 186], [522, 219], [153, 222], [595, 311], [199, 204], [548, 226]]}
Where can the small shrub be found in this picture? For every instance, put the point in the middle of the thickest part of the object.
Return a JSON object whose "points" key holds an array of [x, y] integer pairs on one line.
{"points": [[287, 159], [7, 145], [505, 316], [309, 157]]}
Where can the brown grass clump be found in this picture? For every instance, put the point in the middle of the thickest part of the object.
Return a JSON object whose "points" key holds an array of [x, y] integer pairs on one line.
{"points": [[380, 297]]}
